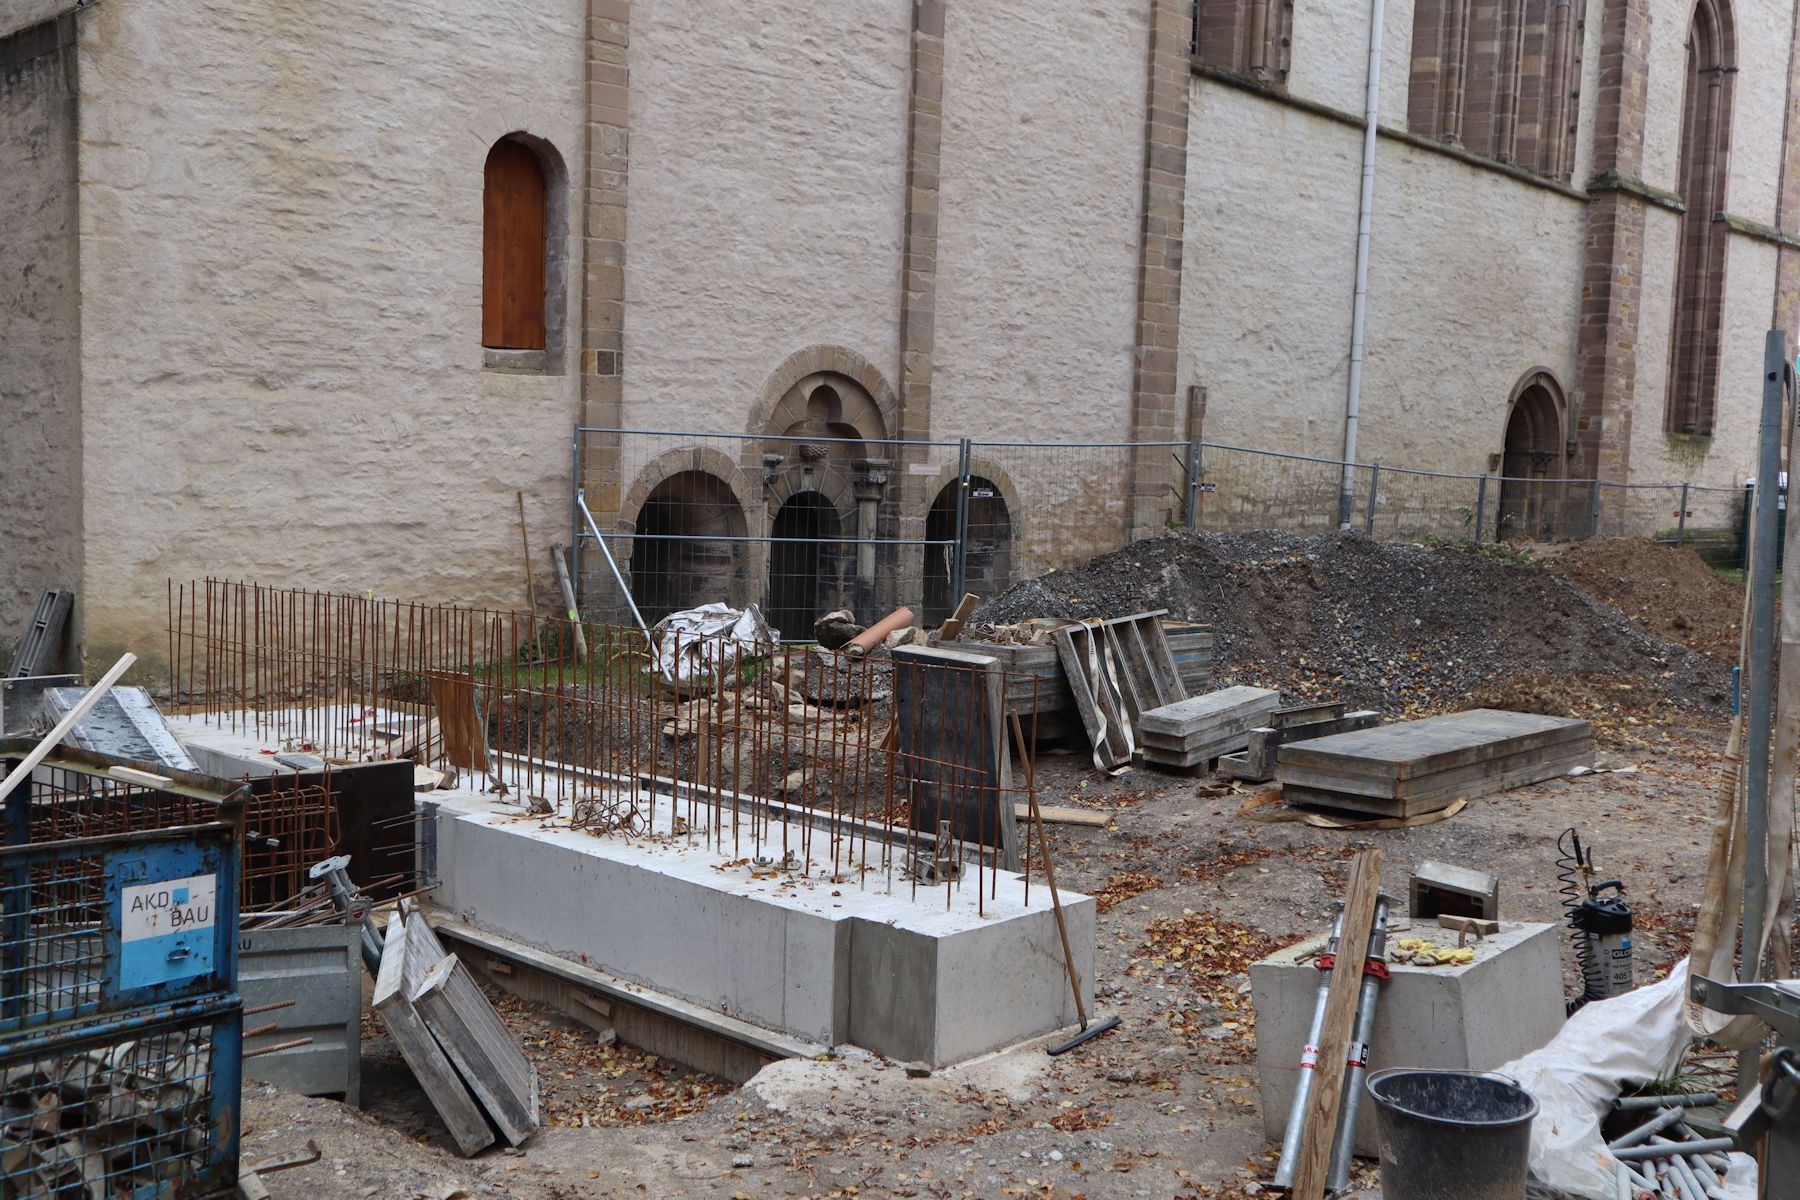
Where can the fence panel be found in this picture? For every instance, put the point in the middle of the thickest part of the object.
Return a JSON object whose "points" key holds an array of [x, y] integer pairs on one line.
{"points": [[803, 524]]}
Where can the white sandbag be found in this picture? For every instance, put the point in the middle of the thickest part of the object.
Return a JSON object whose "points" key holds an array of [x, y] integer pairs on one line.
{"points": [[1638, 1036]]}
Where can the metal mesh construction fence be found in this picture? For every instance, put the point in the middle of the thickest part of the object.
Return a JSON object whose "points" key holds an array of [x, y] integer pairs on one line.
{"points": [[803, 524]]}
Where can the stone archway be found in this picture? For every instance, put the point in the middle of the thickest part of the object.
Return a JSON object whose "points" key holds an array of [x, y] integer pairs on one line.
{"points": [[1532, 459], [994, 519], [821, 426], [683, 512]]}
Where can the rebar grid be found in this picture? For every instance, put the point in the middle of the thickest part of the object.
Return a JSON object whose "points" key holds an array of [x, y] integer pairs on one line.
{"points": [[287, 827], [778, 758]]}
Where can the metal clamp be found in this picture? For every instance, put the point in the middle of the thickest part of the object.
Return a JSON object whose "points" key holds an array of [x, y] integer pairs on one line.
{"points": [[1780, 1078]]}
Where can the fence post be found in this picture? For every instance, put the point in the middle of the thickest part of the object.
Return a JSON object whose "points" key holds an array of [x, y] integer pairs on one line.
{"points": [[1480, 508], [1374, 491], [575, 515], [1193, 484], [1681, 522], [1594, 510], [960, 571]]}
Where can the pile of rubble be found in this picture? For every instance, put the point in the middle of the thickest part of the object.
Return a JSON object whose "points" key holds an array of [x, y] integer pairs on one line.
{"points": [[1383, 625]]}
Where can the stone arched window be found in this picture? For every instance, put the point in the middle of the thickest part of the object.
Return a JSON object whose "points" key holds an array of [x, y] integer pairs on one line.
{"points": [[1499, 78], [523, 260], [1254, 37], [1700, 262]]}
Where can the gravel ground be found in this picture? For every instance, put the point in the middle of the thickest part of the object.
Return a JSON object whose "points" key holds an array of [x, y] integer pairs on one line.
{"points": [[1165, 1107], [1396, 627]]}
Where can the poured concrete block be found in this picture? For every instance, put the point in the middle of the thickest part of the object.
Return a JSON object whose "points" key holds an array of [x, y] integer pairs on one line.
{"points": [[1506, 1003], [935, 976]]}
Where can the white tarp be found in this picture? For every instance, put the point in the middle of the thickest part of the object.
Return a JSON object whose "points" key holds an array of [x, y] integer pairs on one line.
{"points": [[697, 642], [1638, 1036]]}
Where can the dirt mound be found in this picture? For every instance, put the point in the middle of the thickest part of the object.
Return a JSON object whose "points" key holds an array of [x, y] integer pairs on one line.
{"points": [[1401, 628], [1671, 593]]}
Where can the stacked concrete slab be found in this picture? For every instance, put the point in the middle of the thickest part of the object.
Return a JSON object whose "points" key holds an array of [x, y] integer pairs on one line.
{"points": [[1423, 766], [1199, 729]]}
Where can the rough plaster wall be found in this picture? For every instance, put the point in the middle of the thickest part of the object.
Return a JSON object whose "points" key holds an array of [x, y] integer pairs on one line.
{"points": [[1331, 54], [1038, 238], [1396, 61], [281, 261], [1666, 86], [20, 14], [40, 408], [1473, 282], [1763, 30], [768, 164]]}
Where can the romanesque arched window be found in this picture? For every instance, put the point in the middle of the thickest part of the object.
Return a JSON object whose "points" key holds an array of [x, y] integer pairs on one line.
{"points": [[1700, 261], [514, 221], [1253, 37], [1499, 78]]}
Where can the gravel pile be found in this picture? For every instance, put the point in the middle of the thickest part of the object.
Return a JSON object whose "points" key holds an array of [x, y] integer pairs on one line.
{"points": [[1397, 627]]}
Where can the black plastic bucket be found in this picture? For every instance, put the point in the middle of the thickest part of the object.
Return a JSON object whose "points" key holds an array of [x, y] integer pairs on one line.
{"points": [[1451, 1135]]}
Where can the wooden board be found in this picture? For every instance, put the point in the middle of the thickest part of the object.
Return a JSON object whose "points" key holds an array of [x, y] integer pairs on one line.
{"points": [[1435, 793], [1378, 759], [1220, 711], [950, 728], [1333, 1046], [478, 1042], [1065, 816], [1086, 662], [465, 740], [433, 1069], [1257, 762]]}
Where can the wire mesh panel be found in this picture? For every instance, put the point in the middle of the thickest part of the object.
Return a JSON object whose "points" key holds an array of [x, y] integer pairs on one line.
{"points": [[101, 925], [144, 1108], [1242, 490]]}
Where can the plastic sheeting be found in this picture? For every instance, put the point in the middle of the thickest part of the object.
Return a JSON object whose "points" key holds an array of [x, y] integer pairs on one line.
{"points": [[1638, 1036], [699, 642]]}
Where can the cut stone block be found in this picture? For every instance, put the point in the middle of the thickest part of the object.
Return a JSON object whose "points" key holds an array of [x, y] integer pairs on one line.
{"points": [[1422, 766], [1506, 1003], [1201, 728]]}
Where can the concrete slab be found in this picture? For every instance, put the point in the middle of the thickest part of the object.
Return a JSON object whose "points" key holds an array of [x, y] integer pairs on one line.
{"points": [[1509, 1001], [1421, 766], [1201, 728]]}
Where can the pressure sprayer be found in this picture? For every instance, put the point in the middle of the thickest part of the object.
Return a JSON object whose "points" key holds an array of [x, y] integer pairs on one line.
{"points": [[1599, 923]]}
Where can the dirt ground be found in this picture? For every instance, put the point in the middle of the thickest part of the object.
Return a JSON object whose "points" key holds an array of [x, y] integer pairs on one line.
{"points": [[1166, 1106]]}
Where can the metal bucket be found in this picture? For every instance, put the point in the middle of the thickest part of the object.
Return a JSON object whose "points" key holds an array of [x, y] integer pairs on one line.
{"points": [[1451, 1135]]}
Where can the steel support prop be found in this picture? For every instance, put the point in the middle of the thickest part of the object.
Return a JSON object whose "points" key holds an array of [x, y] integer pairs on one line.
{"points": [[1303, 1081], [1343, 1146]]}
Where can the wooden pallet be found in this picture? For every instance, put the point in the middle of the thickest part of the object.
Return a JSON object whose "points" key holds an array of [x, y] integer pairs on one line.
{"points": [[1117, 670]]}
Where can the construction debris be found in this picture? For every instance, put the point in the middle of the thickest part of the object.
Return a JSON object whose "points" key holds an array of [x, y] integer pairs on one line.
{"points": [[877, 633], [701, 643], [42, 642], [836, 628]]}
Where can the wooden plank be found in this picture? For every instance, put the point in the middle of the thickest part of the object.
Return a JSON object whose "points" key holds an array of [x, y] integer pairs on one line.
{"points": [[951, 722], [465, 741], [1425, 796], [1065, 816], [1160, 659], [965, 608], [1244, 707], [430, 1065], [1341, 997], [478, 1042]]}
